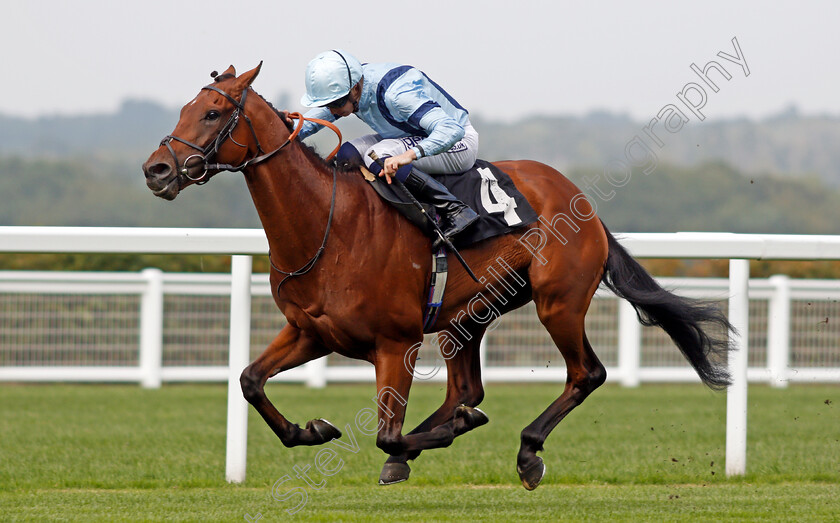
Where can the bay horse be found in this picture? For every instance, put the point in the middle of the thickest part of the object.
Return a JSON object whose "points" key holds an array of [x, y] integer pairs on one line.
{"points": [[350, 275]]}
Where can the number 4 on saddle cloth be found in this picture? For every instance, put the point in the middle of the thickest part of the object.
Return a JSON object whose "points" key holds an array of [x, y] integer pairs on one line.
{"points": [[489, 191]]}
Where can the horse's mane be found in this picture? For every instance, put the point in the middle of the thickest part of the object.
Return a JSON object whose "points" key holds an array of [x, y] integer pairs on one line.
{"points": [[308, 150]]}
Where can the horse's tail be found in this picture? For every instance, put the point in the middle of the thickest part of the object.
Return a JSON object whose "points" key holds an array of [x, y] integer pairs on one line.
{"points": [[683, 319]]}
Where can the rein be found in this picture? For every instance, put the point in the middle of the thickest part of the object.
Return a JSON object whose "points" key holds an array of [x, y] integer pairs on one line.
{"points": [[212, 149], [311, 263]]}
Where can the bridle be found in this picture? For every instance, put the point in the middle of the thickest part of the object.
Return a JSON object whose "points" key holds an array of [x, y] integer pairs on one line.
{"points": [[207, 153], [212, 149]]}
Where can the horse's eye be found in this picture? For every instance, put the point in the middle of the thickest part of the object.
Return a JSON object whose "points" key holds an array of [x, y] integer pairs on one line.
{"points": [[212, 115]]}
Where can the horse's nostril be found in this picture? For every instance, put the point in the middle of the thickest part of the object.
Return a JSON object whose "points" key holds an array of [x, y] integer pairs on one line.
{"points": [[158, 170]]}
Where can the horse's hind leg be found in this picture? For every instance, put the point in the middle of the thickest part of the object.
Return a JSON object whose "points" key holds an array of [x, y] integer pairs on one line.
{"points": [[292, 347], [464, 391], [585, 373]]}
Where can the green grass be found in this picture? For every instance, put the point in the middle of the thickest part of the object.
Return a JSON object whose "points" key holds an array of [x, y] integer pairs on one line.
{"points": [[118, 452]]}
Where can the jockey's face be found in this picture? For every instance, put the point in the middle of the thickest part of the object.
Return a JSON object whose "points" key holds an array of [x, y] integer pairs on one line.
{"points": [[343, 110], [351, 103]]}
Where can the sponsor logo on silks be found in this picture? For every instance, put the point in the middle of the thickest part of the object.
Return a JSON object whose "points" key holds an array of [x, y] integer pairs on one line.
{"points": [[459, 147], [411, 141]]}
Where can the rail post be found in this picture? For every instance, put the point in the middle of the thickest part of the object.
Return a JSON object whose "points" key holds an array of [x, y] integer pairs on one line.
{"points": [[629, 344], [736, 394], [151, 329], [316, 373], [238, 356], [778, 332]]}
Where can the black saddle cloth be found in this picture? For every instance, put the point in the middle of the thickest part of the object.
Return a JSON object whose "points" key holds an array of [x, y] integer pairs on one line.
{"points": [[488, 190]]}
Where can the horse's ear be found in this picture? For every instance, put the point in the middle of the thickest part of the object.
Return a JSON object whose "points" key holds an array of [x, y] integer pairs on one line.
{"points": [[248, 77], [231, 71]]}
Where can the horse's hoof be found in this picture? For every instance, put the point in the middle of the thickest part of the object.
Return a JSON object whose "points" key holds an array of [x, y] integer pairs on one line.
{"points": [[474, 416], [532, 475], [324, 429], [394, 473]]}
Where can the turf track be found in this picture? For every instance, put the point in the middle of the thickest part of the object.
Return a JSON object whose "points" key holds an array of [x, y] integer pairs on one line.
{"points": [[118, 452]]}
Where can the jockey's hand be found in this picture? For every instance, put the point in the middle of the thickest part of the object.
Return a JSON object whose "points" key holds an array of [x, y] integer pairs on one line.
{"points": [[392, 163], [284, 115]]}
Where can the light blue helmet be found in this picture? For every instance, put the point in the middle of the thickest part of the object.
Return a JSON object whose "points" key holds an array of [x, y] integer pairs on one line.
{"points": [[329, 76]]}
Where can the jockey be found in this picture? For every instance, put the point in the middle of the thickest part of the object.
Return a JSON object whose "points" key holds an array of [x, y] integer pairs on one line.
{"points": [[418, 125]]}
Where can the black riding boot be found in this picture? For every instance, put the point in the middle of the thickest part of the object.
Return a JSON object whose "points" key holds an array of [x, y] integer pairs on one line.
{"points": [[455, 214]]}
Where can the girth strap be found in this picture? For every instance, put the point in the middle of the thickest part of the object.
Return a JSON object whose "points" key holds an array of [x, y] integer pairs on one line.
{"points": [[437, 286]]}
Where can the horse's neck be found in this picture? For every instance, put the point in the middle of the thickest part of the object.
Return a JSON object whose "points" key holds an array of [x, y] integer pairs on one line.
{"points": [[292, 196]]}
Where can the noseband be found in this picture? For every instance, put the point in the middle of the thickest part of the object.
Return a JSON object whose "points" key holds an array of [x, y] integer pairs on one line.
{"points": [[207, 153]]}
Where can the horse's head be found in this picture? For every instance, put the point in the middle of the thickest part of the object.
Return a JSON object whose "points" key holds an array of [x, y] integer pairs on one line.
{"points": [[207, 138]]}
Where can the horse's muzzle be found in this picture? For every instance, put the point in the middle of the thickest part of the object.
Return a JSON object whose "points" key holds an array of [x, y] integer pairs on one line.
{"points": [[162, 179]]}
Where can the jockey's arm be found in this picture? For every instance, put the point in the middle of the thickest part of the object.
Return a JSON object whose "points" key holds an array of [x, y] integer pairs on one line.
{"points": [[310, 128], [443, 132]]}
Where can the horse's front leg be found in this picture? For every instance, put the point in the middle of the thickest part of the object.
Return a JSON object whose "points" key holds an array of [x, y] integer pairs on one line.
{"points": [[292, 347]]}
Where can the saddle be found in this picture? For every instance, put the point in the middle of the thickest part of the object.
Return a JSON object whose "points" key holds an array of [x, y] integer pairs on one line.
{"points": [[488, 190]]}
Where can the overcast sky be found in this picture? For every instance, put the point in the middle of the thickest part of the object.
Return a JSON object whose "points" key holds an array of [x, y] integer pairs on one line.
{"points": [[501, 59]]}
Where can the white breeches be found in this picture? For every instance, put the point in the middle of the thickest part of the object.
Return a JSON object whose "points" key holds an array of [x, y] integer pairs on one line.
{"points": [[459, 158]]}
